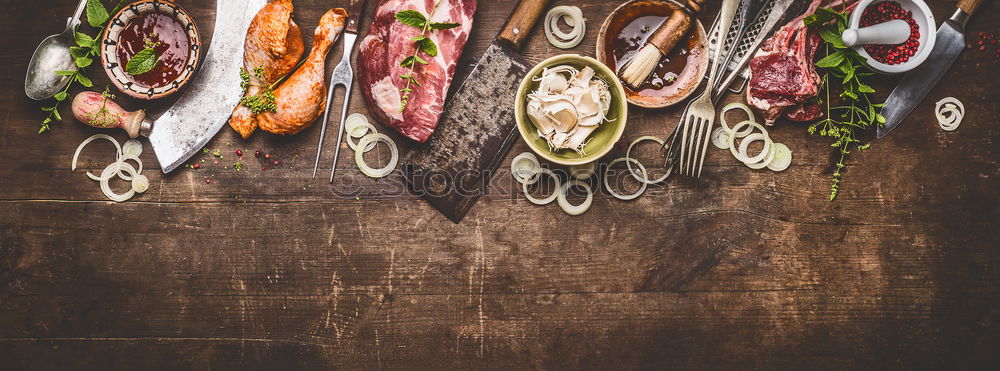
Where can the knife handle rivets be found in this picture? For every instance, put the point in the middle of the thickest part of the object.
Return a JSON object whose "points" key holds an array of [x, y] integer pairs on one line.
{"points": [[517, 31]]}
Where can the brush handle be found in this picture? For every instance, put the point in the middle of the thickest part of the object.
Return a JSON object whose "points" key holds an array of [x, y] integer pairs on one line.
{"points": [[671, 32]]}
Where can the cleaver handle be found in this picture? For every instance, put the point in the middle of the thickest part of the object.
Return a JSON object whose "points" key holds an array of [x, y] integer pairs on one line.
{"points": [[969, 6], [355, 11], [522, 21]]}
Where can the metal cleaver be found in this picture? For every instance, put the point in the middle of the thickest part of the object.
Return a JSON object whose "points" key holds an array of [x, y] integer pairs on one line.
{"points": [[917, 83], [213, 93], [477, 127]]}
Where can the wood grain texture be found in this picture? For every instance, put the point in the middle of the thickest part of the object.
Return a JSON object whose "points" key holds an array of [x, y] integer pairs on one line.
{"points": [[274, 270]]}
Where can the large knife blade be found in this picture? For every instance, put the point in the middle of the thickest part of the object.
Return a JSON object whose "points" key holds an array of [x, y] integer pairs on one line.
{"points": [[477, 127], [916, 84], [213, 93]]}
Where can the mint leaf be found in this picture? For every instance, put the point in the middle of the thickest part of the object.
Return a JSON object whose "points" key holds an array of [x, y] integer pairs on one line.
{"points": [[865, 88], [96, 13], [428, 46], [443, 26], [78, 52], [84, 80], [420, 60], [65, 73], [61, 96], [83, 62], [412, 18], [408, 61], [83, 40], [143, 61], [831, 60]]}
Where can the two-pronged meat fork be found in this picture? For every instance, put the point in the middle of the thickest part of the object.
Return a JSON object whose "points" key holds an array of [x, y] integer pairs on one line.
{"points": [[343, 75]]}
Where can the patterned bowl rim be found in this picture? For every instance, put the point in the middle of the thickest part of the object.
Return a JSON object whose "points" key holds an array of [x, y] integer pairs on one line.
{"points": [[109, 46]]}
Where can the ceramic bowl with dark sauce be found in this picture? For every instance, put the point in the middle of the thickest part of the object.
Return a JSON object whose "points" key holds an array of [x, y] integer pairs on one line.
{"points": [[171, 36], [678, 74]]}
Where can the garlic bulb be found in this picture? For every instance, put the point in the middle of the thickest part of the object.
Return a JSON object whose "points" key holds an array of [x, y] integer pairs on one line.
{"points": [[568, 106]]}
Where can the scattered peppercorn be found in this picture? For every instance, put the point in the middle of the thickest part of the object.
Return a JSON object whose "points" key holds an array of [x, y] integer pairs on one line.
{"points": [[196, 165], [239, 152], [267, 156], [256, 154]]}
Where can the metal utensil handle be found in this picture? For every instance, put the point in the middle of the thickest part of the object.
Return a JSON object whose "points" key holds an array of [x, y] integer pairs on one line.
{"points": [[326, 120], [75, 20]]}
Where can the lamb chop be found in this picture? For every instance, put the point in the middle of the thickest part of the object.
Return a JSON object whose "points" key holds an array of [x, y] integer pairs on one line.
{"points": [[783, 78], [301, 99], [273, 45]]}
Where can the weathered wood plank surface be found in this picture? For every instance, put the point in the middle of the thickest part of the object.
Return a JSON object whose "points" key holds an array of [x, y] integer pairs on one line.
{"points": [[274, 270]]}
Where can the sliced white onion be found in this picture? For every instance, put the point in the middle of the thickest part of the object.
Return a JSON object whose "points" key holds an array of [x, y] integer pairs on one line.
{"points": [[570, 208], [525, 168], [769, 144], [359, 156], [645, 177], [140, 183], [550, 198], [118, 152], [132, 148], [360, 131], [720, 138], [573, 17], [949, 112], [741, 153], [607, 183], [126, 177], [583, 172], [730, 107], [354, 120], [108, 173], [782, 157]]}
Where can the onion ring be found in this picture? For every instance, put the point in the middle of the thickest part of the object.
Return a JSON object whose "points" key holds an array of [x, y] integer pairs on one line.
{"points": [[573, 17], [118, 153], [529, 173], [359, 156], [575, 209], [358, 133], [720, 138], [110, 172], [645, 178], [742, 155], [949, 112], [122, 174], [607, 184], [140, 183], [767, 159], [730, 107], [547, 200], [132, 148], [782, 158]]}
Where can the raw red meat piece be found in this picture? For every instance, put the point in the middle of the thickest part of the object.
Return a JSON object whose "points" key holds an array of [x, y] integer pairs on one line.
{"points": [[389, 41], [783, 73]]}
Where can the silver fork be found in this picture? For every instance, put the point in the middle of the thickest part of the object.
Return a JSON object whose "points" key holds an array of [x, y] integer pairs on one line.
{"points": [[699, 115]]}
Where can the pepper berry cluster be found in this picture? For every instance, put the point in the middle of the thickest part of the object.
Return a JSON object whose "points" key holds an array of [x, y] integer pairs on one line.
{"points": [[888, 11]]}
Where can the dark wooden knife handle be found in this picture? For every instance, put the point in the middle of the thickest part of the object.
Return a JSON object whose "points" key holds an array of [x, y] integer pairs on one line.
{"points": [[969, 6], [522, 21], [695, 5], [355, 11]]}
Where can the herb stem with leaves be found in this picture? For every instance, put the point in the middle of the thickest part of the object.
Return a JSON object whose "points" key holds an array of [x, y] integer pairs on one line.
{"points": [[844, 69], [423, 43], [87, 49]]}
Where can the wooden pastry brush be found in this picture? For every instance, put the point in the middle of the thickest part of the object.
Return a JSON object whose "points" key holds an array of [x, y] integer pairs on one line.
{"points": [[634, 72]]}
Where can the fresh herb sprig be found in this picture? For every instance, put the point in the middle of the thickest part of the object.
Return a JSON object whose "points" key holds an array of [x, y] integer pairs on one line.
{"points": [[104, 117], [423, 44], [87, 49], [146, 59], [263, 101], [844, 69]]}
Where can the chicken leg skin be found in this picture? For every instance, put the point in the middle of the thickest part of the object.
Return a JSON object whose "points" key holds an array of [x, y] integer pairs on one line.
{"points": [[273, 44], [301, 99]]}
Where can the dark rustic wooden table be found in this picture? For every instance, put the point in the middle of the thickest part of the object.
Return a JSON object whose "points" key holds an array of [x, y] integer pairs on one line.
{"points": [[275, 270]]}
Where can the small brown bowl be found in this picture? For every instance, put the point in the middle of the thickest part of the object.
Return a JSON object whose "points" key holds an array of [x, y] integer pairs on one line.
{"points": [[687, 81], [182, 68]]}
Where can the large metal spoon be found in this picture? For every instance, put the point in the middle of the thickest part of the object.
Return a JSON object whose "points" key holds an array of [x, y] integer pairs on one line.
{"points": [[41, 81]]}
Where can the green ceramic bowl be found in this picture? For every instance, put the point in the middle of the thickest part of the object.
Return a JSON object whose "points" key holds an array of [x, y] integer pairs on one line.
{"points": [[601, 141]]}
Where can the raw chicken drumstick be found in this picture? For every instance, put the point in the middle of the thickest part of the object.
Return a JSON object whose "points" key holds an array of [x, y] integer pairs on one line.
{"points": [[273, 44], [301, 99]]}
